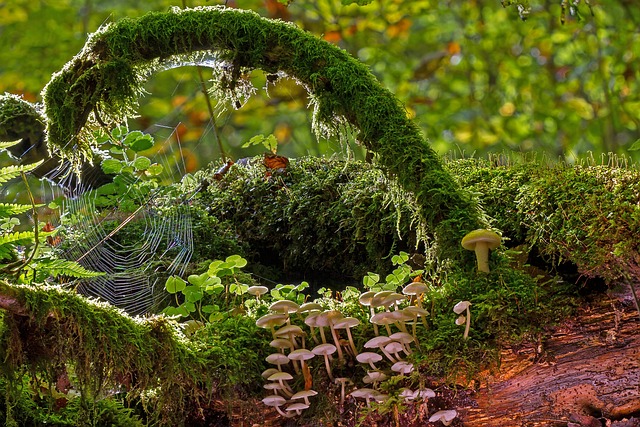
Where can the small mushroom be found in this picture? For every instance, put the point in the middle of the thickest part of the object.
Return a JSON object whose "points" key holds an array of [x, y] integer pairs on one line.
{"points": [[374, 377], [343, 382], [281, 377], [394, 347], [370, 358], [297, 407], [445, 417], [277, 359], [304, 394], [302, 355], [425, 393], [481, 241], [325, 350], [257, 291], [285, 307], [458, 309], [348, 323], [281, 344], [270, 321], [291, 332], [402, 367], [365, 299], [276, 402], [405, 339], [379, 343], [268, 372], [364, 393], [383, 318], [416, 312], [415, 289]]}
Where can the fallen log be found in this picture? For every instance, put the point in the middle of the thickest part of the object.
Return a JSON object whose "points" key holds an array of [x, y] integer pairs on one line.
{"points": [[588, 368]]}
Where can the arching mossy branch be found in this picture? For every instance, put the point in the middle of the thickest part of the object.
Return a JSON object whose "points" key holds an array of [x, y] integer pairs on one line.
{"points": [[103, 82]]}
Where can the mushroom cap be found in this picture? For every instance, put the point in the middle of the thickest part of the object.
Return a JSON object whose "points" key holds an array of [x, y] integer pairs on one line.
{"points": [[425, 393], [383, 318], [294, 330], [324, 349], [402, 337], [492, 239], [415, 311], [257, 290], [277, 359], [309, 306], [299, 406], [365, 298], [284, 306], [377, 299], [374, 376], [407, 394], [461, 306], [402, 367], [444, 416], [273, 386], [415, 288], [304, 393], [368, 356], [270, 320], [363, 393], [327, 318], [346, 323], [274, 400], [379, 341], [268, 372], [280, 376], [281, 343], [393, 298], [393, 347], [301, 354], [461, 320]]}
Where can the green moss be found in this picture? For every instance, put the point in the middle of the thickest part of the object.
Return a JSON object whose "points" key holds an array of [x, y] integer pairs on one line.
{"points": [[321, 218], [588, 215], [106, 348], [103, 82]]}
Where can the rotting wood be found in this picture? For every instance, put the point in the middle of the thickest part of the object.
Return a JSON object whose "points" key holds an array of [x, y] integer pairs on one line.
{"points": [[589, 366]]}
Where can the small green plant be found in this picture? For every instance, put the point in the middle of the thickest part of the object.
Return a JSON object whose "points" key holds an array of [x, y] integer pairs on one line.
{"points": [[206, 296], [398, 277], [269, 142]]}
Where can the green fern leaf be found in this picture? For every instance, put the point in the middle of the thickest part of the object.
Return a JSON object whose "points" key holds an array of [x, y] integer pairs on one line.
{"points": [[17, 238], [8, 209], [10, 172], [6, 252], [63, 267], [6, 144]]}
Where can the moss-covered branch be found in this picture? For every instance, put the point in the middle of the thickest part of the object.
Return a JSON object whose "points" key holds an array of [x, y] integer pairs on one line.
{"points": [[49, 327], [104, 81]]}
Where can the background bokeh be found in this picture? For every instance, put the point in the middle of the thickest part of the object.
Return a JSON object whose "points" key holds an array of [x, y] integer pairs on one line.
{"points": [[475, 77]]}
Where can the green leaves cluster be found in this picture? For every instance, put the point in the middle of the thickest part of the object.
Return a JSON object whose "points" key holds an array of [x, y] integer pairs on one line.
{"points": [[126, 146], [205, 296], [398, 277], [269, 142]]}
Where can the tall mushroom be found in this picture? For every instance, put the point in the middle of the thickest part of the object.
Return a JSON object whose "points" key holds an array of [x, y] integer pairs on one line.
{"points": [[325, 350], [347, 323], [481, 241]]}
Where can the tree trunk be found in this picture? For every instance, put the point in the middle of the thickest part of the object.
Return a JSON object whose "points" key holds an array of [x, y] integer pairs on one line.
{"points": [[587, 371]]}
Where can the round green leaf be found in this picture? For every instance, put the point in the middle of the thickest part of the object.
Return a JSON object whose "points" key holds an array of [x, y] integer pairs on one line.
{"points": [[111, 166], [143, 143], [175, 284]]}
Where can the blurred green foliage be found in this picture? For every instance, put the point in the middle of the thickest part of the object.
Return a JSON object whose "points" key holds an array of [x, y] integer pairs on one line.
{"points": [[474, 75]]}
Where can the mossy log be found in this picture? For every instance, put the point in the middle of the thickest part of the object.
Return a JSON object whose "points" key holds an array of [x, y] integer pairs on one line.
{"points": [[102, 83]]}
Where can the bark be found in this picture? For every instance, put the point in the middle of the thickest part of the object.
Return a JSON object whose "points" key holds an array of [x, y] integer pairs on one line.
{"points": [[587, 369]]}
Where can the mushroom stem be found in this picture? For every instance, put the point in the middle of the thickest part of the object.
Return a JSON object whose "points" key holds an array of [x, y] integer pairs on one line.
{"points": [[482, 256], [328, 366], [468, 324], [337, 341]]}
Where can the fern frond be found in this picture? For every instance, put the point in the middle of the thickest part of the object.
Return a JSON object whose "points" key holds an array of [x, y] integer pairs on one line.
{"points": [[17, 238], [8, 209], [63, 267], [6, 252], [6, 144], [10, 172]]}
